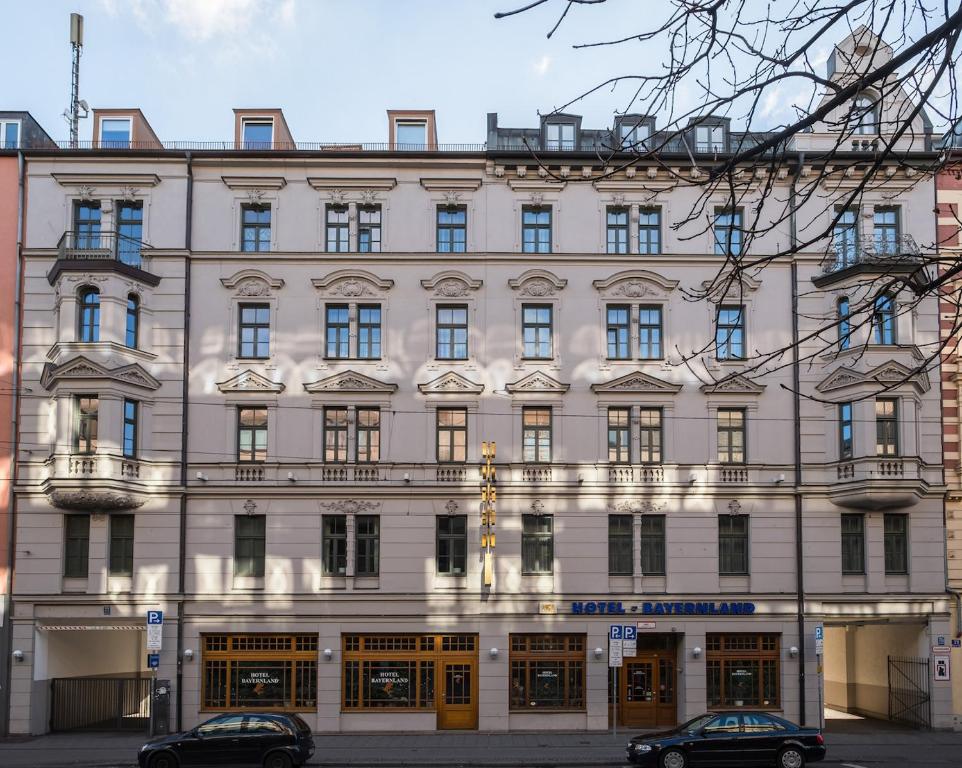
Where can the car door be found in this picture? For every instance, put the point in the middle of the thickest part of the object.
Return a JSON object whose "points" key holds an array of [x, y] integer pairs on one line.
{"points": [[761, 737], [262, 733], [217, 742], [717, 743]]}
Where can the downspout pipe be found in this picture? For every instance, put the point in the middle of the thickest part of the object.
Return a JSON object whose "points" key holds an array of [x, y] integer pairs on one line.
{"points": [[182, 553], [797, 419]]}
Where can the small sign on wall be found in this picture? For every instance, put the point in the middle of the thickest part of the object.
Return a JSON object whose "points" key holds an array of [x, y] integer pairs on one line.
{"points": [[943, 668]]}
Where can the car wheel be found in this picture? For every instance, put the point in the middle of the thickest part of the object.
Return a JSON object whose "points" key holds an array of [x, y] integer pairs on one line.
{"points": [[162, 760], [791, 757], [674, 758], [277, 760]]}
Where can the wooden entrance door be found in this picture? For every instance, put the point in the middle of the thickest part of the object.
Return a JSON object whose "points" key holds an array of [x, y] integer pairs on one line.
{"points": [[647, 691], [458, 695]]}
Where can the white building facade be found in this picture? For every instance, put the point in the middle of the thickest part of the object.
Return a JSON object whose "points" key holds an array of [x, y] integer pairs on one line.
{"points": [[268, 425]]}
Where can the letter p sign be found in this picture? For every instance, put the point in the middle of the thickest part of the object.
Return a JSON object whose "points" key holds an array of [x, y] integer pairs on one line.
{"points": [[155, 617]]}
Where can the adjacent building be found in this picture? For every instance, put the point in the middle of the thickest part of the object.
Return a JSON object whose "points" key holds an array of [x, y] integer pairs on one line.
{"points": [[261, 376]]}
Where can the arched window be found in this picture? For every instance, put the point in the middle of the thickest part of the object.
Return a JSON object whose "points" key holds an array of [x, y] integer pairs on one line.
{"points": [[844, 324], [864, 116], [883, 320], [89, 314], [133, 321]]}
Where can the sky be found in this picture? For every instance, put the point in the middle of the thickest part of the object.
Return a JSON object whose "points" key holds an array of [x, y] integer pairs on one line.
{"points": [[333, 66]]}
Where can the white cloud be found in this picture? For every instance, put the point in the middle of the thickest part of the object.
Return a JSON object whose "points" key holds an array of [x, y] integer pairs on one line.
{"points": [[542, 65], [772, 101], [210, 18]]}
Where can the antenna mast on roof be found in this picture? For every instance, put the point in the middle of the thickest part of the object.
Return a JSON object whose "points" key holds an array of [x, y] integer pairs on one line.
{"points": [[72, 113]]}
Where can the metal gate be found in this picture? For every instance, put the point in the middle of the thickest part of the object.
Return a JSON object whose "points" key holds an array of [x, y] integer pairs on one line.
{"points": [[909, 699], [99, 703]]}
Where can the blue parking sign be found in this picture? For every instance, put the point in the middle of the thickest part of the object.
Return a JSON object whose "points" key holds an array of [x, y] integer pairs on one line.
{"points": [[155, 617], [615, 632], [153, 660], [631, 632]]}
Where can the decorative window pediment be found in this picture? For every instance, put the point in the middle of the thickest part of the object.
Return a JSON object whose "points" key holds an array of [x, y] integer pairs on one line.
{"points": [[352, 282], [635, 284], [451, 383], [886, 374], [537, 283], [252, 282], [82, 369], [353, 382], [733, 385], [451, 284], [728, 288], [248, 381], [537, 382], [637, 383]]}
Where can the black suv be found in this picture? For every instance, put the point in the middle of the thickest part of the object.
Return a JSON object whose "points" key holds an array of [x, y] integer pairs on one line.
{"points": [[251, 738]]}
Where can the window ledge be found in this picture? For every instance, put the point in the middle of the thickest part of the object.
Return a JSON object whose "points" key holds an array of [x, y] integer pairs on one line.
{"points": [[74, 584], [246, 583], [367, 582]]}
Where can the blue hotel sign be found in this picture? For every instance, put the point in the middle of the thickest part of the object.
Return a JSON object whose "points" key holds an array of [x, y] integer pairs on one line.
{"points": [[688, 608]]}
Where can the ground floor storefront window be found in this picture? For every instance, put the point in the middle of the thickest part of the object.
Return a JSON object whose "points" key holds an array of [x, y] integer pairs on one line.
{"points": [[743, 670], [266, 672], [547, 672]]}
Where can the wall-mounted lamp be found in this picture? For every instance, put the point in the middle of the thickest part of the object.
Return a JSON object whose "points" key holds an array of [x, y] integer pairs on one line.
{"points": [[696, 652], [188, 654], [692, 478], [18, 655], [202, 477], [793, 651], [407, 477], [493, 653], [581, 479], [292, 477], [328, 654], [599, 652], [779, 478]]}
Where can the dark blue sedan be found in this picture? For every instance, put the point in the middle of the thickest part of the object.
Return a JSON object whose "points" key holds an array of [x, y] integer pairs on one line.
{"points": [[729, 738]]}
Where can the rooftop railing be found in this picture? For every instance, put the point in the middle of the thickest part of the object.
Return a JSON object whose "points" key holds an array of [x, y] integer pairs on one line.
{"points": [[264, 146]]}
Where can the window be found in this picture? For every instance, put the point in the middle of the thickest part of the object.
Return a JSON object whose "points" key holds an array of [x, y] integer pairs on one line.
{"points": [[337, 229], [536, 331], [88, 318], [536, 229], [883, 320], [255, 331], [649, 231], [845, 239], [710, 138], [537, 544], [896, 544], [411, 135], [338, 331], [619, 344], [452, 332], [653, 545], [845, 447], [368, 439], [452, 435], [86, 224], [86, 408], [536, 435], [369, 331], [617, 230], [731, 435], [258, 134], [335, 435], [547, 672], [367, 545], [452, 228], [334, 544], [133, 321], [886, 231], [728, 232], [730, 333], [252, 434], [649, 333], [559, 136], [634, 135], [886, 426], [115, 132], [863, 119], [255, 228], [131, 414], [257, 672], [758, 723], [742, 670], [130, 231], [121, 545], [250, 532], [9, 134], [76, 546], [620, 540], [853, 544], [844, 323], [733, 545], [452, 545], [649, 430], [369, 228], [619, 435]]}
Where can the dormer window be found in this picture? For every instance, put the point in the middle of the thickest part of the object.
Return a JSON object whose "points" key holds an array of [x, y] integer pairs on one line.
{"points": [[258, 134], [115, 132], [709, 138], [559, 136], [411, 135], [9, 134], [863, 119], [634, 135]]}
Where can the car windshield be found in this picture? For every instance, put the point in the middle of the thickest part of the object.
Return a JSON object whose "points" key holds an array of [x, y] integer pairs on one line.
{"points": [[699, 722]]}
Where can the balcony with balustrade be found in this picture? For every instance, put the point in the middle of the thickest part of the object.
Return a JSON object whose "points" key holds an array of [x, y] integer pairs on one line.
{"points": [[876, 482], [102, 482], [852, 256], [96, 251]]}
